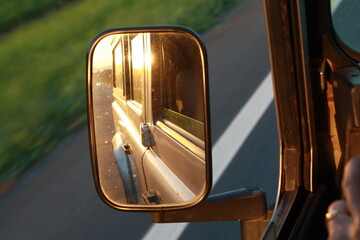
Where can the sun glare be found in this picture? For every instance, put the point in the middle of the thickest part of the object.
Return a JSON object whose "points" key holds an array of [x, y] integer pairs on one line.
{"points": [[103, 53]]}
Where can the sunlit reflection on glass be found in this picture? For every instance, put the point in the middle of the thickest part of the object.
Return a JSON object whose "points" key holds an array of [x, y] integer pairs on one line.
{"points": [[155, 155]]}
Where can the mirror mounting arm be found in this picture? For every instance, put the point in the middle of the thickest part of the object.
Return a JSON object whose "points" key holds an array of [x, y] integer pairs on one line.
{"points": [[241, 204]]}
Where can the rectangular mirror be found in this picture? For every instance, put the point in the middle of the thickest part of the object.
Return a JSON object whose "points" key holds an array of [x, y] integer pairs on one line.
{"points": [[149, 118]]}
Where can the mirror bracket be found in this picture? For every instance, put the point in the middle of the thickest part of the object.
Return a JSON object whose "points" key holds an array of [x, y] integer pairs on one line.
{"points": [[242, 204], [147, 138]]}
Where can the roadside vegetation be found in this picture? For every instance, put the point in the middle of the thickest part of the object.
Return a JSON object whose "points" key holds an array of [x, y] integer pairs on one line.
{"points": [[16, 12], [42, 62]]}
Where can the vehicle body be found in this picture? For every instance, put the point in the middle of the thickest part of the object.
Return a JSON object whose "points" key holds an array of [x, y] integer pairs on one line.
{"points": [[316, 81], [164, 111]]}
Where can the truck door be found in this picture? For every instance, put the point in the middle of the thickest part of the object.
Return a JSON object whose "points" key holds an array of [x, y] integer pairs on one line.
{"points": [[315, 59], [177, 120]]}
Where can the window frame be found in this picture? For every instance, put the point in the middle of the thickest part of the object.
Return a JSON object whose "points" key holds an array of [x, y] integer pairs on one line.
{"points": [[118, 92], [193, 140]]}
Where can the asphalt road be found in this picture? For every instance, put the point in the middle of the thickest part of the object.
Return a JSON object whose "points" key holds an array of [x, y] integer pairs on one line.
{"points": [[57, 198]]}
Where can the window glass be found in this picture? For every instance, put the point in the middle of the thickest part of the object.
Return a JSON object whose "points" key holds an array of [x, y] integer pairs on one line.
{"points": [[118, 66], [180, 82], [346, 21], [137, 65]]}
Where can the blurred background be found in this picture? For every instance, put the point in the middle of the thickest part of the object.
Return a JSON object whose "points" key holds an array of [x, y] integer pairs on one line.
{"points": [[46, 185], [43, 45]]}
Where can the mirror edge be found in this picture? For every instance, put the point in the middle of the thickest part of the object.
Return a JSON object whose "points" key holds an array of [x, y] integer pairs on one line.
{"points": [[91, 129]]}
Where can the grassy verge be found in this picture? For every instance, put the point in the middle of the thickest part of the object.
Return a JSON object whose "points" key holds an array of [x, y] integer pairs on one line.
{"points": [[42, 93], [16, 12]]}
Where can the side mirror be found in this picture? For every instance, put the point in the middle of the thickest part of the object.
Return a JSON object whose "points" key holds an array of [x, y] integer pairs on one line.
{"points": [[149, 118]]}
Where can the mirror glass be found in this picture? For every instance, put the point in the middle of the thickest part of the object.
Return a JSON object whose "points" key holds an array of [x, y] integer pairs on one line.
{"points": [[148, 118]]}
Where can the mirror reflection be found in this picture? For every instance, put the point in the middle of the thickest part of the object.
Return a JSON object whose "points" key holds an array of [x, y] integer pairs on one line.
{"points": [[149, 117]]}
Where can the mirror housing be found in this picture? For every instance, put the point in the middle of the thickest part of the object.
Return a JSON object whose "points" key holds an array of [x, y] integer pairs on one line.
{"points": [[149, 118]]}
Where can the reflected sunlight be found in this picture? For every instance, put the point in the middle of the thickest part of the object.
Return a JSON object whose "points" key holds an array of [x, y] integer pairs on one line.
{"points": [[102, 53], [141, 56]]}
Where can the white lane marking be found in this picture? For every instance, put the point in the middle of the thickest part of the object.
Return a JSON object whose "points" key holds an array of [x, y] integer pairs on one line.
{"points": [[225, 149], [165, 231], [241, 126]]}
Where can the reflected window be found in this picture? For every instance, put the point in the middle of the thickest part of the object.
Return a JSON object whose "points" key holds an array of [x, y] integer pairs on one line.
{"points": [[137, 67], [179, 79], [119, 67]]}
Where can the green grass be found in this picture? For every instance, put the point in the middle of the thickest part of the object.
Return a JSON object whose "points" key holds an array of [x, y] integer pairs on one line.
{"points": [[16, 12], [42, 91]]}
